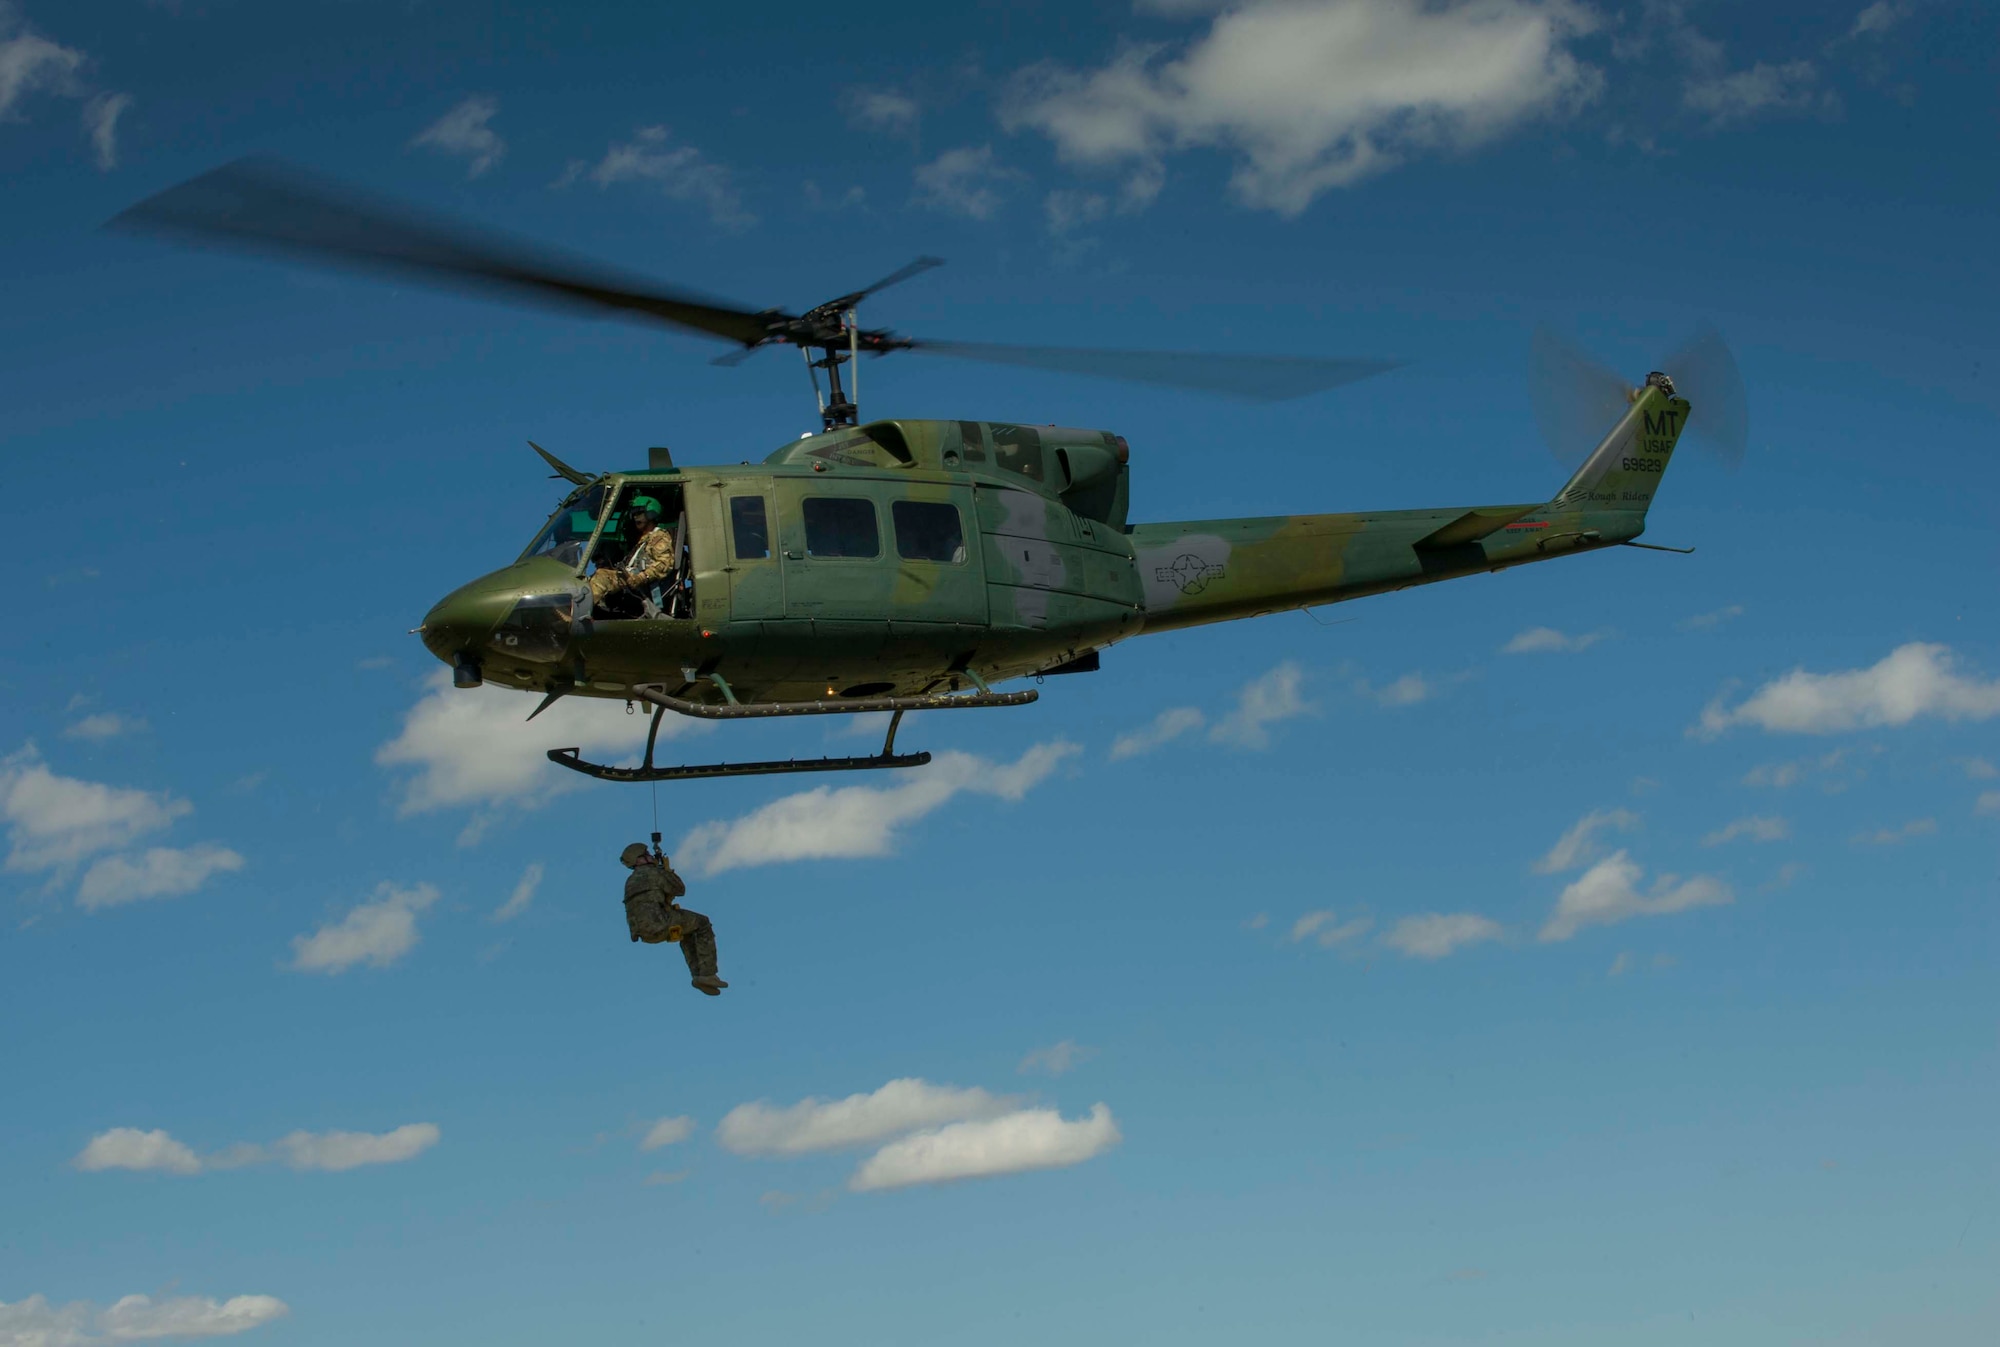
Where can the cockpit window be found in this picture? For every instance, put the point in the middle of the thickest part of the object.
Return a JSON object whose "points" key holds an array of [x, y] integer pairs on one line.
{"points": [[568, 532]]}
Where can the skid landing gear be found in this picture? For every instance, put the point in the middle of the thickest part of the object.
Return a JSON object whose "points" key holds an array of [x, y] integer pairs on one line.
{"points": [[663, 702]]}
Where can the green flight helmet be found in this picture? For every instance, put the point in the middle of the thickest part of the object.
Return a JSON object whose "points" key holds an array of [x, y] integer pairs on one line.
{"points": [[648, 504]]}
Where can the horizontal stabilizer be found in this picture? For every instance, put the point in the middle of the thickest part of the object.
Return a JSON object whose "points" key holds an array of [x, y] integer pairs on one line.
{"points": [[1474, 525]]}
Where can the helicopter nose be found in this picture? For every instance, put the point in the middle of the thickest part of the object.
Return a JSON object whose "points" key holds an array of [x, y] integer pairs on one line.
{"points": [[483, 618], [459, 626]]}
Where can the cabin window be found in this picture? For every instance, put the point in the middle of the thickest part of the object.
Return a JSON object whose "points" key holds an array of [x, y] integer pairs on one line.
{"points": [[928, 531], [753, 533], [840, 526], [1018, 449]]}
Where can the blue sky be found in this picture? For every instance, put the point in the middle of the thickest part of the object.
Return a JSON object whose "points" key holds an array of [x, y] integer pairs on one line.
{"points": [[1595, 952]]}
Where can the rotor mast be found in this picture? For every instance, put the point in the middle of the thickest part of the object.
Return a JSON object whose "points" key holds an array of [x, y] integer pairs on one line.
{"points": [[838, 407]]}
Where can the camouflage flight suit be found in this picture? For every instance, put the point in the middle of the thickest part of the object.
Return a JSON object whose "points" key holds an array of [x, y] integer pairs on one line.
{"points": [[652, 562], [651, 891]]}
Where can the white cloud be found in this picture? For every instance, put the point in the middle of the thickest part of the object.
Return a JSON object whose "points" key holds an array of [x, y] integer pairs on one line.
{"points": [[1918, 679], [157, 872], [818, 199], [667, 1132], [1056, 1059], [1705, 621], [34, 1322], [1539, 640], [1433, 935], [30, 63], [1325, 930], [1889, 837], [1067, 210], [476, 746], [1734, 95], [1877, 18], [1755, 827], [1309, 97], [1709, 86], [830, 1124], [1987, 803], [1608, 893], [882, 110], [523, 894], [659, 1178], [104, 725], [966, 181], [1980, 769], [466, 133], [130, 1148], [680, 172], [1828, 768], [100, 119], [1164, 728], [336, 1151], [1786, 875], [1263, 702], [847, 822], [136, 1318], [1010, 1144], [1406, 690], [1579, 845], [1620, 965], [377, 932], [54, 822]]}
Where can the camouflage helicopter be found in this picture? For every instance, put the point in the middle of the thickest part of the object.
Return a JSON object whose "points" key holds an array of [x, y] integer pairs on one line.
{"points": [[911, 565]]}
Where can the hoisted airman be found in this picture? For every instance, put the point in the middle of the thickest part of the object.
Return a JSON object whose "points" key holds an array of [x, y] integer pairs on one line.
{"points": [[653, 914]]}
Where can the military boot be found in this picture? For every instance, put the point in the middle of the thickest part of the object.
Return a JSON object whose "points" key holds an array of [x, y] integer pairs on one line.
{"points": [[709, 984]]}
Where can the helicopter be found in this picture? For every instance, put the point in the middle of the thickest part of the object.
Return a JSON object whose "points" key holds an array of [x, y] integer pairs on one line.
{"points": [[908, 565]]}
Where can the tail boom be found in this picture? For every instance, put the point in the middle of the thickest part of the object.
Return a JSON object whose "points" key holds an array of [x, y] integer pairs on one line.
{"points": [[1201, 571]]}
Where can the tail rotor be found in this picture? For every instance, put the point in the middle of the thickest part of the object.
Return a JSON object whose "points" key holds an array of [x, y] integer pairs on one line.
{"points": [[1576, 400], [1705, 373]]}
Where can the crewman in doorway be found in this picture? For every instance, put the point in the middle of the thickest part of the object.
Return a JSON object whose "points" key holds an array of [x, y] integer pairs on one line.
{"points": [[652, 560]]}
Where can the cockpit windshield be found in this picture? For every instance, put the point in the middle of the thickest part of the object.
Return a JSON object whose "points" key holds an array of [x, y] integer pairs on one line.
{"points": [[568, 531]]}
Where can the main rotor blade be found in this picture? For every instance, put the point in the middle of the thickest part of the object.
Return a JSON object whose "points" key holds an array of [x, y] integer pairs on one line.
{"points": [[1705, 373], [897, 277], [1261, 378], [270, 206], [1576, 400]]}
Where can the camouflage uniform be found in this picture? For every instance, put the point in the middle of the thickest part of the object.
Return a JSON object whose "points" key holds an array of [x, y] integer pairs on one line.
{"points": [[652, 562], [653, 915]]}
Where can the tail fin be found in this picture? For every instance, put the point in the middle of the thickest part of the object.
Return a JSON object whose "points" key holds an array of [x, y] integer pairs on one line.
{"points": [[1624, 470]]}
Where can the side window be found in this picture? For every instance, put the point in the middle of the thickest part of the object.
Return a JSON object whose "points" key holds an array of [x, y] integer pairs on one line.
{"points": [[840, 526], [973, 445], [1018, 449], [746, 521], [927, 531]]}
